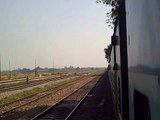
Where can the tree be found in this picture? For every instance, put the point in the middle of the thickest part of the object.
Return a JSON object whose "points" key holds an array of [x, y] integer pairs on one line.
{"points": [[112, 15], [108, 52]]}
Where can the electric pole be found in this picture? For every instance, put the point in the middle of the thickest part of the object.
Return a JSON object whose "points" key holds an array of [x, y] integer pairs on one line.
{"points": [[53, 67], [14, 71], [35, 68], [9, 70], [0, 70]]}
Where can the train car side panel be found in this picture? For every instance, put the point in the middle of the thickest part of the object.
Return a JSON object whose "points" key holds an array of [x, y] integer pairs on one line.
{"points": [[143, 42]]}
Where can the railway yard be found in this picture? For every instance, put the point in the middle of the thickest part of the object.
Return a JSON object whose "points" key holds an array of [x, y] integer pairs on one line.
{"points": [[84, 96]]}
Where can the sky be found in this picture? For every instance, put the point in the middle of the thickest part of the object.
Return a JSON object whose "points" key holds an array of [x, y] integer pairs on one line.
{"points": [[59, 32]]}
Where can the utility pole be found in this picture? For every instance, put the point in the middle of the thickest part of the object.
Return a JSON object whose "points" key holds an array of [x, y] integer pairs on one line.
{"points": [[53, 67], [14, 71], [9, 70], [0, 70], [35, 68]]}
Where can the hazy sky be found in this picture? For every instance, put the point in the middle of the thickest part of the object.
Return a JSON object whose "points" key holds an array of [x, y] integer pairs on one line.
{"points": [[68, 32]]}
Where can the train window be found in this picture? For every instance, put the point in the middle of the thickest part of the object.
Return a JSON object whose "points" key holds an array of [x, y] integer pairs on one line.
{"points": [[141, 107]]}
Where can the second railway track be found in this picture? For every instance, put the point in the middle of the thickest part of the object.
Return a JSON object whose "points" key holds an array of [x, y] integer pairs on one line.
{"points": [[23, 84]]}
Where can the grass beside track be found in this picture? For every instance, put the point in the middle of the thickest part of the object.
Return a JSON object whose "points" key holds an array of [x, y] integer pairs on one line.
{"points": [[33, 91]]}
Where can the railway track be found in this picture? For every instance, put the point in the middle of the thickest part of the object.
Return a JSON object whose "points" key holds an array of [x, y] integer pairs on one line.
{"points": [[63, 109], [26, 100], [10, 113], [3, 82], [23, 84], [98, 105]]}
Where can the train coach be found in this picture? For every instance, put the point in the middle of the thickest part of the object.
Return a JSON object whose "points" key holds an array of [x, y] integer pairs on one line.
{"points": [[135, 60]]}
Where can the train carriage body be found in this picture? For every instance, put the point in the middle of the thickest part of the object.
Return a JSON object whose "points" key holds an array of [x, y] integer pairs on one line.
{"points": [[135, 60]]}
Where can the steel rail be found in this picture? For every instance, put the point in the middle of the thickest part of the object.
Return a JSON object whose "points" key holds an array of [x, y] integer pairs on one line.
{"points": [[35, 99], [54, 105], [78, 105]]}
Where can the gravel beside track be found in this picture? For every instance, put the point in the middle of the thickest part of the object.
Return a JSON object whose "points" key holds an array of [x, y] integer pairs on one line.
{"points": [[62, 109], [29, 110]]}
